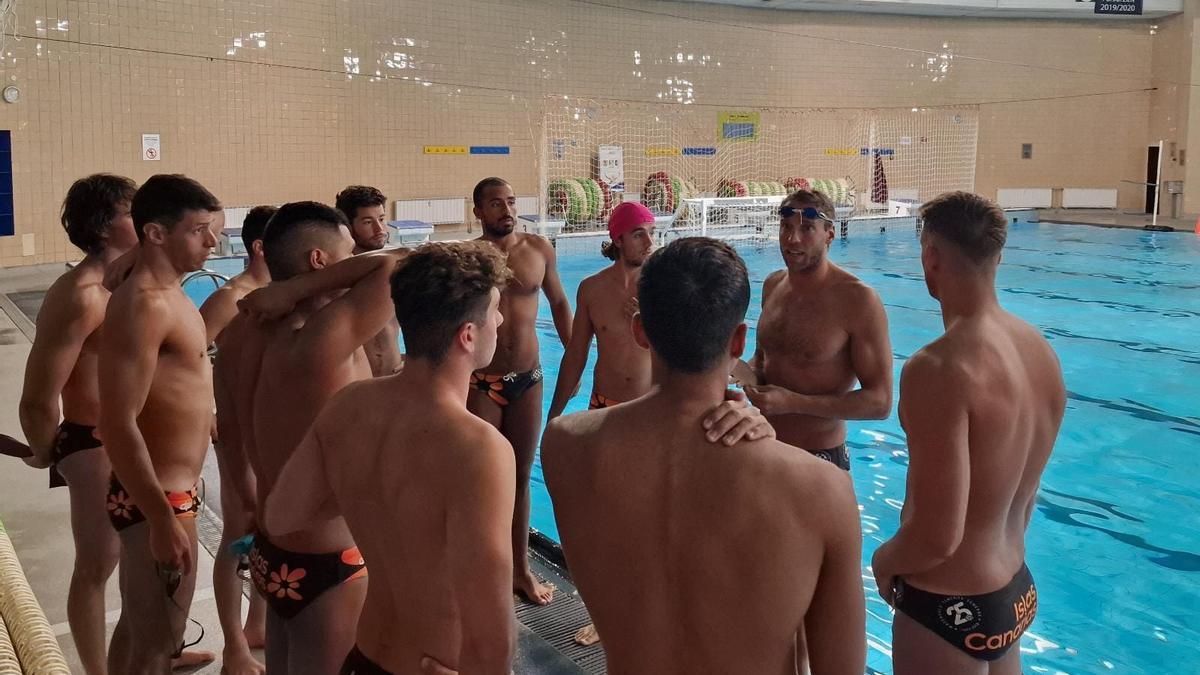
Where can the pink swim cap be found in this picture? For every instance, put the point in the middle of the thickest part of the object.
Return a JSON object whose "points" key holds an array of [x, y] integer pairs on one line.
{"points": [[628, 216]]}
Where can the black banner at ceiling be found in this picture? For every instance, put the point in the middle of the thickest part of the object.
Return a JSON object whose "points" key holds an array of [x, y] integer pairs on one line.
{"points": [[1120, 7]]}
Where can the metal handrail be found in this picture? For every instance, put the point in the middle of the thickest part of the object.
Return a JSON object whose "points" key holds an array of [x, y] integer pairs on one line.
{"points": [[206, 274]]}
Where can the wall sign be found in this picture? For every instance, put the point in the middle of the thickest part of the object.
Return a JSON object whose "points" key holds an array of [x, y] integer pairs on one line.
{"points": [[489, 149], [1120, 7], [663, 152], [446, 149], [738, 126], [151, 147], [612, 166], [703, 152]]}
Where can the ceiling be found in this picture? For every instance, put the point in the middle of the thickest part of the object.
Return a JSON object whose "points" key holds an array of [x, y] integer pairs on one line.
{"points": [[1001, 9]]}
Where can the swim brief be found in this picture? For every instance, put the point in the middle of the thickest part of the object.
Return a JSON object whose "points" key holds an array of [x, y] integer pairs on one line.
{"points": [[598, 401], [838, 456], [357, 663], [122, 512], [291, 581], [506, 389], [71, 438], [981, 626]]}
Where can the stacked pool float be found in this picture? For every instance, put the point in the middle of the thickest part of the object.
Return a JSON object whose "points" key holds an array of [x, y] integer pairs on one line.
{"points": [[839, 190], [579, 200], [663, 193]]}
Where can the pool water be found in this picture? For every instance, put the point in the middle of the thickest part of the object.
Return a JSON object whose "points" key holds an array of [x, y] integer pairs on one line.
{"points": [[1114, 543]]}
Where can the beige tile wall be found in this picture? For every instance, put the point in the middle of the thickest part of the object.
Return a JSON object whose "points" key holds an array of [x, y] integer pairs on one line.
{"points": [[274, 100]]}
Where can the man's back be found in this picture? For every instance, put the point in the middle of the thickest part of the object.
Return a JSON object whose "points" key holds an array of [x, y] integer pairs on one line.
{"points": [[1011, 384], [401, 472], [75, 305], [695, 557], [293, 384]]}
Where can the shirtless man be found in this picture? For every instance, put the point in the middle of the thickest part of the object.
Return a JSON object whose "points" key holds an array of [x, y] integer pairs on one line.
{"points": [[507, 393], [426, 487], [237, 478], [821, 329], [729, 556], [156, 400], [363, 207], [313, 577], [62, 365], [604, 306], [981, 407]]}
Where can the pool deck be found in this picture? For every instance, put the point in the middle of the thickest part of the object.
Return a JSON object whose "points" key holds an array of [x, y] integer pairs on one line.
{"points": [[1110, 218]]}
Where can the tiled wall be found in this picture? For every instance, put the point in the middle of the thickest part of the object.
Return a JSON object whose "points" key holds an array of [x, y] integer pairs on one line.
{"points": [[274, 100]]}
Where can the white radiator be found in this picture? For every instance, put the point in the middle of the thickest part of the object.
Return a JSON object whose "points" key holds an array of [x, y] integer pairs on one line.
{"points": [[432, 211], [235, 216], [527, 206], [1089, 198], [1029, 198]]}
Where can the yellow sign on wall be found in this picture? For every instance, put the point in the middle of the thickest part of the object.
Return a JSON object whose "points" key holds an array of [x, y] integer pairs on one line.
{"points": [[738, 126], [841, 152], [663, 152], [446, 150]]}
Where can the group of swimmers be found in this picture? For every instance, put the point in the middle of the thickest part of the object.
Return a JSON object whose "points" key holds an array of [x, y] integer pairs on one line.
{"points": [[699, 535]]}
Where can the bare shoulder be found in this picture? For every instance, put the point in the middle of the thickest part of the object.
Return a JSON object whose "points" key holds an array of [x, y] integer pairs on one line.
{"points": [[569, 435], [773, 280], [471, 442], [799, 477], [851, 288], [934, 366], [77, 294], [538, 243], [225, 296], [146, 303]]}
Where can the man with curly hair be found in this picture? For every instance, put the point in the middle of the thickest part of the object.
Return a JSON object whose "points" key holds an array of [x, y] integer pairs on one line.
{"points": [[426, 487], [60, 402]]}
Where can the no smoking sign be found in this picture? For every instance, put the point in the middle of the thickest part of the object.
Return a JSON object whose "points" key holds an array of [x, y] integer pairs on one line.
{"points": [[151, 147]]}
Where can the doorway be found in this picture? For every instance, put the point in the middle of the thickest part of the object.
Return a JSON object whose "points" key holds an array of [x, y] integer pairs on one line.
{"points": [[1151, 177]]}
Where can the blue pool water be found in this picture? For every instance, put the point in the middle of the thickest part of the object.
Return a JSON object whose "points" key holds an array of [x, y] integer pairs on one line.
{"points": [[1115, 540]]}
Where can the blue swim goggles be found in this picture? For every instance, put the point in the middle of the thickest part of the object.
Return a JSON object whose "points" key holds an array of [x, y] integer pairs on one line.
{"points": [[808, 212]]}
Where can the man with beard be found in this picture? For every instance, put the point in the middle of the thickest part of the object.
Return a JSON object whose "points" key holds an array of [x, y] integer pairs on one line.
{"points": [[821, 329], [508, 392], [363, 207]]}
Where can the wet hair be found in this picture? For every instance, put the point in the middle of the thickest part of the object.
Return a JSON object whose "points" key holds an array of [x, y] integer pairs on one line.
{"points": [[482, 186], [255, 224], [441, 286], [689, 278], [815, 198], [293, 231], [166, 198], [975, 225], [89, 207], [610, 250], [355, 197]]}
